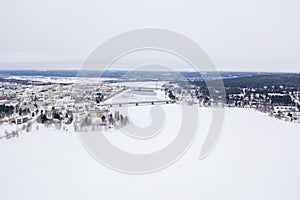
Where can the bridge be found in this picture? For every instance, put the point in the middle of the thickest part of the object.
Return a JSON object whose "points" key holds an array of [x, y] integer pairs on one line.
{"points": [[137, 103]]}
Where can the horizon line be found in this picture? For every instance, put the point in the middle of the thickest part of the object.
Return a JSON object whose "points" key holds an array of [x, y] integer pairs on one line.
{"points": [[124, 70]]}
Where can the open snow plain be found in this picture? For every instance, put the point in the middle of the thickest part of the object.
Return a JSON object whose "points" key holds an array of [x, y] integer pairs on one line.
{"points": [[257, 157]]}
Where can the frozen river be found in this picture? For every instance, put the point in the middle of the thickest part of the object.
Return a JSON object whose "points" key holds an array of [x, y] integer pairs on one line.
{"points": [[257, 157]]}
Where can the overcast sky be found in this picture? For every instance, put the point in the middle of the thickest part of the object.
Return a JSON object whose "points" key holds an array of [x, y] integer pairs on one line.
{"points": [[253, 35]]}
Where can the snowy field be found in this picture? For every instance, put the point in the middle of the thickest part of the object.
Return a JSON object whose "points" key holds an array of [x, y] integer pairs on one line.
{"points": [[257, 157], [66, 80]]}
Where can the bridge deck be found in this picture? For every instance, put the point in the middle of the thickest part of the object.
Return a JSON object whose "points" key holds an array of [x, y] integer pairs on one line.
{"points": [[139, 102]]}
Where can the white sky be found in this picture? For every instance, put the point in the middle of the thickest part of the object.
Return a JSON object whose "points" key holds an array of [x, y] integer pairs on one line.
{"points": [[238, 35]]}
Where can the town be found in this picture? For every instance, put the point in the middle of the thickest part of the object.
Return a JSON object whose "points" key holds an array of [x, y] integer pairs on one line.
{"points": [[88, 107]]}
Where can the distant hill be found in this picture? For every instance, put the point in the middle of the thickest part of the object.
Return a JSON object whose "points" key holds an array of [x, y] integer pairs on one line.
{"points": [[260, 81]]}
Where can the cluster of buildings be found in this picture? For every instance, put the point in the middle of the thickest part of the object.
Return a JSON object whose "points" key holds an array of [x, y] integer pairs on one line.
{"points": [[53, 102], [283, 104]]}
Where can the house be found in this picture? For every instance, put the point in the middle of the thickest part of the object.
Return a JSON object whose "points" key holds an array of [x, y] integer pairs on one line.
{"points": [[98, 112], [22, 119]]}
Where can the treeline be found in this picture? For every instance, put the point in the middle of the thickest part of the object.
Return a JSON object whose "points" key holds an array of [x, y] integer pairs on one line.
{"points": [[6, 110], [276, 81], [104, 123], [273, 81]]}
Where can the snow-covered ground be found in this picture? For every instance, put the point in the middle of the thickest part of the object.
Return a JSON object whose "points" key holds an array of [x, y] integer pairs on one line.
{"points": [[146, 84], [66, 80], [257, 157], [130, 95]]}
